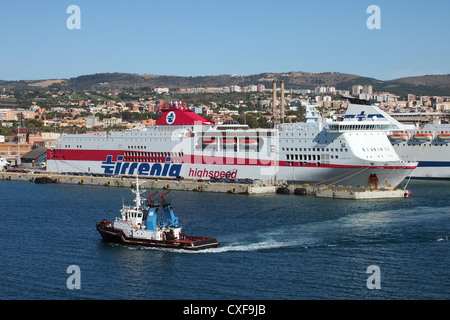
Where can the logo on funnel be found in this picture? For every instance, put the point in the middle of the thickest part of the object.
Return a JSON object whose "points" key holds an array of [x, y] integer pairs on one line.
{"points": [[170, 118]]}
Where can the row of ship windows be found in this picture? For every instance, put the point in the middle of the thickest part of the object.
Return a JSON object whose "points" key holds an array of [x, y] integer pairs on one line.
{"points": [[316, 149], [79, 146], [312, 134], [349, 127], [307, 157], [358, 126], [176, 157], [144, 147], [153, 159], [302, 164], [131, 134], [383, 127], [426, 144], [306, 141], [437, 132], [426, 132], [334, 149], [153, 154], [375, 149]]}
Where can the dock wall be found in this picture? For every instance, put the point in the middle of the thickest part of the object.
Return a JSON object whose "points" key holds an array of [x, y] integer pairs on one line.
{"points": [[335, 192], [185, 185]]}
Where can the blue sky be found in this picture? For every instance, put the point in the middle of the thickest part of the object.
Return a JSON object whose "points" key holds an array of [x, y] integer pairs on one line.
{"points": [[211, 37]]}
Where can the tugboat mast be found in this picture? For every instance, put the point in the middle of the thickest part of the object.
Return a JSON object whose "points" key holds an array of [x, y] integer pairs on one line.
{"points": [[138, 192]]}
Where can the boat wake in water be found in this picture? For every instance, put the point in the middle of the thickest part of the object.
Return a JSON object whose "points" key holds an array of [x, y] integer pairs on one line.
{"points": [[285, 237], [251, 246]]}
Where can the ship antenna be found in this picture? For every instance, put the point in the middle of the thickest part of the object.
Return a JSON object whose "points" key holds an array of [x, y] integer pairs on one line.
{"points": [[138, 192]]}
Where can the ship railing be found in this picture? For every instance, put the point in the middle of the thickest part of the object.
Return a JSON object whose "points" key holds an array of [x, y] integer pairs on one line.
{"points": [[297, 126]]}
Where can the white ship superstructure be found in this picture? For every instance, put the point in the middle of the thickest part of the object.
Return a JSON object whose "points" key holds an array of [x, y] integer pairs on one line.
{"points": [[428, 145], [3, 163], [183, 144]]}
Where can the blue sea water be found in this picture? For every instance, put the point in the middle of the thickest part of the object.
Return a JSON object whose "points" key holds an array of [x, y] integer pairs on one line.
{"points": [[277, 247]]}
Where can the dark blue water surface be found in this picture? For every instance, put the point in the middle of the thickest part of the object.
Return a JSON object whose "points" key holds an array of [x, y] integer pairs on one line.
{"points": [[277, 247]]}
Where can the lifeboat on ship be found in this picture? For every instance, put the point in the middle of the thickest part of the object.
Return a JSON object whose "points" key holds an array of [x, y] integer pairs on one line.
{"points": [[228, 143], [249, 143], [209, 143], [399, 137], [444, 136], [423, 137]]}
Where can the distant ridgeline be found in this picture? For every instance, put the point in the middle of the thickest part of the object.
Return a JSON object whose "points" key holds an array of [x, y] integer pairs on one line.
{"points": [[430, 85]]}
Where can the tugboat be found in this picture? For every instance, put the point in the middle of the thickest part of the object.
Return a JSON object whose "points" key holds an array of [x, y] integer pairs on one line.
{"points": [[139, 225]]}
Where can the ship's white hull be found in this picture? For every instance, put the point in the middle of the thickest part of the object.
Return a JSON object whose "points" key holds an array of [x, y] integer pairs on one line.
{"points": [[347, 153], [388, 176], [433, 158]]}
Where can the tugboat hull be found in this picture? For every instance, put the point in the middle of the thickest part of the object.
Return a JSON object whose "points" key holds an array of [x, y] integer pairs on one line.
{"points": [[109, 234]]}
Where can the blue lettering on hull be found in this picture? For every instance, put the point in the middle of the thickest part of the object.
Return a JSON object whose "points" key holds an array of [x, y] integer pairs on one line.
{"points": [[141, 168]]}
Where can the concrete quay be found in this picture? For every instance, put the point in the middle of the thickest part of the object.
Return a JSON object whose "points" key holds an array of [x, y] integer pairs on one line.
{"points": [[346, 192], [185, 185], [321, 191]]}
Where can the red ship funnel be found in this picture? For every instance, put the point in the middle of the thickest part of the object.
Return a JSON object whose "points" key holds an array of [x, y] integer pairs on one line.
{"points": [[174, 114]]}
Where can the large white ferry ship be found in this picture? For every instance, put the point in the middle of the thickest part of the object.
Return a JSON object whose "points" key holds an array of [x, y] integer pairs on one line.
{"points": [[428, 145], [185, 144]]}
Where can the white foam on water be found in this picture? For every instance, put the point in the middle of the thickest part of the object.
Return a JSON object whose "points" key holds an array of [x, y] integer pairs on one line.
{"points": [[275, 239], [241, 247], [233, 247]]}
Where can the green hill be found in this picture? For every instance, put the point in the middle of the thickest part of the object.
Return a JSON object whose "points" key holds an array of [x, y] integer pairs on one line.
{"points": [[422, 85]]}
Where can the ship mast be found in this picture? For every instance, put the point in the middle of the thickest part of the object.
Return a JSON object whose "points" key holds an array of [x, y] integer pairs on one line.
{"points": [[138, 192]]}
